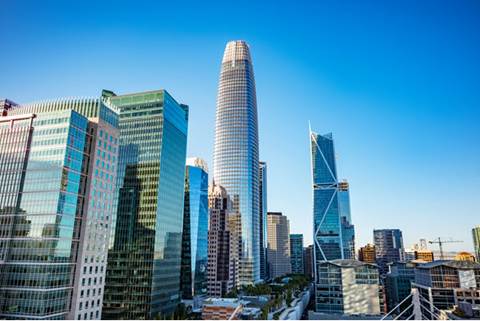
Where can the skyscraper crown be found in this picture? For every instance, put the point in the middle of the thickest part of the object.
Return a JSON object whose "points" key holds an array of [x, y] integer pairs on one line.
{"points": [[236, 50]]}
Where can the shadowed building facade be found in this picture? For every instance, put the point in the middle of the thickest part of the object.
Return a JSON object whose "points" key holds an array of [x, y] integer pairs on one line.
{"points": [[195, 230], [235, 159], [296, 253], [144, 261]]}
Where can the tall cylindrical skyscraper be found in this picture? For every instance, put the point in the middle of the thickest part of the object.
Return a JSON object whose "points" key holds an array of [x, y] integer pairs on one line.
{"points": [[235, 159]]}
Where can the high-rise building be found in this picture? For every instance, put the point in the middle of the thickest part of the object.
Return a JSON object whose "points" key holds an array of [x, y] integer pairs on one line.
{"points": [[330, 202], [398, 283], [144, 261], [263, 220], [347, 287], [348, 230], [445, 284], [235, 159], [195, 230], [296, 253], [220, 263], [476, 241], [367, 254], [278, 249], [388, 248], [308, 260], [57, 174]]}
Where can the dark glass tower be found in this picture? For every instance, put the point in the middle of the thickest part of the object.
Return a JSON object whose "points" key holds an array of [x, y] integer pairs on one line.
{"points": [[388, 248], [296, 253], [143, 273], [195, 230], [235, 159], [263, 220]]}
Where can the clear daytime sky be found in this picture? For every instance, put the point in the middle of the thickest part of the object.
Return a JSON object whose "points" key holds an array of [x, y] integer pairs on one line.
{"points": [[396, 82]]}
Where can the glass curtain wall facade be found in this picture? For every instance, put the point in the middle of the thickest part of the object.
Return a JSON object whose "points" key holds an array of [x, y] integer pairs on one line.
{"points": [[143, 273], [476, 241], [388, 248], [44, 250], [296, 253], [348, 230], [236, 164], [195, 230], [263, 220]]}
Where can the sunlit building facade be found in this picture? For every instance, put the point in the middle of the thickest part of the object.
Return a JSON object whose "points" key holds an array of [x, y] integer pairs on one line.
{"points": [[235, 159], [347, 287], [278, 249], [56, 208], [195, 230], [348, 230], [144, 261]]}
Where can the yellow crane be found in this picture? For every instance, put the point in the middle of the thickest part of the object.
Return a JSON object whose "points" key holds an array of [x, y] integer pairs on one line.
{"points": [[440, 243]]}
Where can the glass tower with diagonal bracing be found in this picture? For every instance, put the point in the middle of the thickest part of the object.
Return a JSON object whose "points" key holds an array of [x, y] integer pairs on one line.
{"points": [[235, 159]]}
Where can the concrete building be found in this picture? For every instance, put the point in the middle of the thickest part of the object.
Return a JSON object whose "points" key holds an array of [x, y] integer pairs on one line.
{"points": [[219, 265], [424, 255], [367, 254], [278, 250], [222, 309], [447, 283], [464, 256], [296, 253], [347, 287]]}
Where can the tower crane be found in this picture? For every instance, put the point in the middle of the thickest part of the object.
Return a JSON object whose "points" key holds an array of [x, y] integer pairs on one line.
{"points": [[440, 243]]}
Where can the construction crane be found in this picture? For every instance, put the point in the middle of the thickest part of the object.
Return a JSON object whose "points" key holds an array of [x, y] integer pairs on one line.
{"points": [[440, 243]]}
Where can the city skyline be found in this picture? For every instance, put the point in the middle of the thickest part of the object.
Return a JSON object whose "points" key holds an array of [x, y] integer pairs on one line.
{"points": [[328, 109]]}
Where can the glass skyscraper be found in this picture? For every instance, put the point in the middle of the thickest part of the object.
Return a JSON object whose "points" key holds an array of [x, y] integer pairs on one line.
{"points": [[235, 159], [296, 253], [263, 220], [143, 274], [57, 173], [195, 230], [388, 248], [476, 241], [330, 201], [348, 230]]}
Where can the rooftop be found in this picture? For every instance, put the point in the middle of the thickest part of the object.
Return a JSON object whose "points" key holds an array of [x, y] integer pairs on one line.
{"points": [[350, 263], [451, 263]]}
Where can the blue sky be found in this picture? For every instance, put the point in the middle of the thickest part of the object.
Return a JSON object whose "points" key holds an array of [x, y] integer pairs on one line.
{"points": [[396, 82]]}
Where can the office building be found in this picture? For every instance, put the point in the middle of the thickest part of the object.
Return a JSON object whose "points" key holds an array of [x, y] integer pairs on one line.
{"points": [[330, 203], [222, 309], [144, 261], [347, 287], [388, 248], [278, 249], [195, 230], [219, 264], [296, 253], [367, 254], [348, 230], [445, 284], [235, 159], [57, 170], [308, 259], [476, 241], [263, 220], [398, 283]]}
